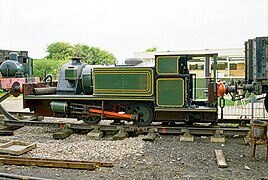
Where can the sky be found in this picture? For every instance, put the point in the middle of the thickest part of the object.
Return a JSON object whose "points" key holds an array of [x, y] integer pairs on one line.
{"points": [[123, 27]]}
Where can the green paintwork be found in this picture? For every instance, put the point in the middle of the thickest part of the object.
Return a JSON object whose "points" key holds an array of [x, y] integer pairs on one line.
{"points": [[58, 106], [123, 81], [167, 65], [170, 92], [86, 81], [86, 84], [71, 74]]}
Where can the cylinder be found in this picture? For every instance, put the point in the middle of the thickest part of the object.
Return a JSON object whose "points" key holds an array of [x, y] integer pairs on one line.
{"points": [[59, 107]]}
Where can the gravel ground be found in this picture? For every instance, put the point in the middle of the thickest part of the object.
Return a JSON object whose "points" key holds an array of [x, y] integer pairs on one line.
{"points": [[165, 158]]}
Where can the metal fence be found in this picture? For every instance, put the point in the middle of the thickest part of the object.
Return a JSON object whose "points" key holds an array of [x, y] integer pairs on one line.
{"points": [[250, 107]]}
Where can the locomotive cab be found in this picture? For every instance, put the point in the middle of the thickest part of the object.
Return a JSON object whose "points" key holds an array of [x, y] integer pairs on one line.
{"points": [[175, 91]]}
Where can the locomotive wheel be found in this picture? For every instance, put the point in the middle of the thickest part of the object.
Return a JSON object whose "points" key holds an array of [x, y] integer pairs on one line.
{"points": [[144, 112], [90, 120]]}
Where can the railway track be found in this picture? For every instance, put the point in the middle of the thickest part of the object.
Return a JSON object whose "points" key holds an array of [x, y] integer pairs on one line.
{"points": [[29, 119], [179, 129]]}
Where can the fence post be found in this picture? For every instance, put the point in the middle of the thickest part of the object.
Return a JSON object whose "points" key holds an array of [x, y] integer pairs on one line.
{"points": [[252, 105]]}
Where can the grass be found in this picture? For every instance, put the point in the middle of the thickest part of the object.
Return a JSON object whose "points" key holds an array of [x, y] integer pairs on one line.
{"points": [[229, 102], [2, 92]]}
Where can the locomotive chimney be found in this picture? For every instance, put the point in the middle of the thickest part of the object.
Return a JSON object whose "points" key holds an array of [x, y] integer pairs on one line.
{"points": [[76, 60], [13, 56]]}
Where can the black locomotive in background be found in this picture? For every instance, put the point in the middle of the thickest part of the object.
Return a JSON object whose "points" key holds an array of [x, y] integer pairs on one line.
{"points": [[15, 66], [4, 54]]}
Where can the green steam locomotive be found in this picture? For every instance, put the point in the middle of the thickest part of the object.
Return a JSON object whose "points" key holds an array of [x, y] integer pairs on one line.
{"points": [[141, 94]]}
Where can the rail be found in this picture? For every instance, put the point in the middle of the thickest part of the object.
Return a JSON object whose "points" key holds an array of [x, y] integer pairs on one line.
{"points": [[131, 128]]}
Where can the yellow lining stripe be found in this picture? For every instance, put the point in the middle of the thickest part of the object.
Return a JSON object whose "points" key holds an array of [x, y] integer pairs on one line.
{"points": [[188, 110], [177, 68], [44, 97], [65, 106], [121, 71], [167, 79], [125, 90]]}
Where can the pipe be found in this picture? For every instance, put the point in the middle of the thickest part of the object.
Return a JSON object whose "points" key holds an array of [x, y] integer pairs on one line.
{"points": [[30, 64], [45, 90], [125, 116]]}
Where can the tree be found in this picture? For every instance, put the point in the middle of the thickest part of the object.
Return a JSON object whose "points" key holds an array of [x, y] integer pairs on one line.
{"points": [[60, 51], [82, 50], [91, 55], [94, 55], [153, 49], [43, 67]]}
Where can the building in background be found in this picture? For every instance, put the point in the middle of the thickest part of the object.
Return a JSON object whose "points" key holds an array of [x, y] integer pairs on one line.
{"points": [[231, 62], [230, 65]]}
